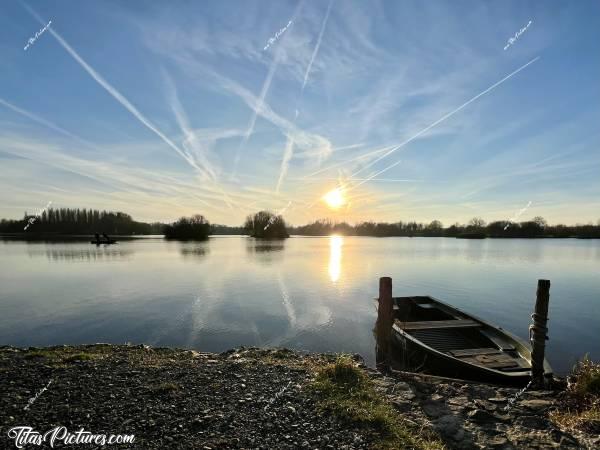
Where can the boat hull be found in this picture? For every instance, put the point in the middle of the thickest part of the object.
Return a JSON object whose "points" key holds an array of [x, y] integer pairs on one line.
{"points": [[433, 337], [415, 357]]}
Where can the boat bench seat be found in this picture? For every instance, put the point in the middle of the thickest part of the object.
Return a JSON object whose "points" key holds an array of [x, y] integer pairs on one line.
{"points": [[432, 324], [491, 358], [475, 351]]}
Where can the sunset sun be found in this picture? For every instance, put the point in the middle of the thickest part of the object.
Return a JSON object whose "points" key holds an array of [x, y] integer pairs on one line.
{"points": [[334, 198]]}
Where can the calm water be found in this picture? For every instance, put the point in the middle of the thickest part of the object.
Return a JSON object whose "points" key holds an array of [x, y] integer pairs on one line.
{"points": [[305, 293]]}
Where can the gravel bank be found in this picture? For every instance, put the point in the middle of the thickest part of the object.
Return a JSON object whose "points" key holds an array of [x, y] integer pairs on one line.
{"points": [[169, 398], [245, 398]]}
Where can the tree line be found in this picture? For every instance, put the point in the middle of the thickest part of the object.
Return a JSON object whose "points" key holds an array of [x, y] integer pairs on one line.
{"points": [[80, 221], [475, 228], [265, 224]]}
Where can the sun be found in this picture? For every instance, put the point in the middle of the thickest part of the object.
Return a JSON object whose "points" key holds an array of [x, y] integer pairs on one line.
{"points": [[334, 198]]}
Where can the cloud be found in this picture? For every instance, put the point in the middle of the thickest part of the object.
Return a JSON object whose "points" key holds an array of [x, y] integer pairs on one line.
{"points": [[117, 95], [46, 123]]}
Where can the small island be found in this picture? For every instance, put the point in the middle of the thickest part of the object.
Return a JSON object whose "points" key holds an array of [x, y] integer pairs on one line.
{"points": [[188, 229], [266, 225]]}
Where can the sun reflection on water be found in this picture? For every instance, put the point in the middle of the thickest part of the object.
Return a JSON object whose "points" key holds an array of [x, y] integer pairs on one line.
{"points": [[335, 257]]}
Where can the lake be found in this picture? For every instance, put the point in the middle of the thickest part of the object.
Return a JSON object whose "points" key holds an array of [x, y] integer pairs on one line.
{"points": [[310, 293]]}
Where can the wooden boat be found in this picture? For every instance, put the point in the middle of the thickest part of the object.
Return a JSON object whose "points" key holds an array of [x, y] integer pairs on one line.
{"points": [[452, 343], [103, 241]]}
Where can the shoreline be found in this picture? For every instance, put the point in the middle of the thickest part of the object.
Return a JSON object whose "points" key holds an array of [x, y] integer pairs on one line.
{"points": [[254, 398], [130, 237]]}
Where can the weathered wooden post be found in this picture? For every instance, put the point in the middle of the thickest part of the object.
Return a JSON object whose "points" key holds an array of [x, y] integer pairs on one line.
{"points": [[538, 331], [385, 312]]}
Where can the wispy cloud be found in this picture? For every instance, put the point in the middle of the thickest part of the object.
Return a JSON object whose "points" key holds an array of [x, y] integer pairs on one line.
{"points": [[46, 123], [450, 114], [116, 94]]}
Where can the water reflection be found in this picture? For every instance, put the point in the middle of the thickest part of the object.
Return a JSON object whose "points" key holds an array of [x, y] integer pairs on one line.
{"points": [[265, 251], [335, 257], [287, 293], [258, 246], [194, 251], [64, 254]]}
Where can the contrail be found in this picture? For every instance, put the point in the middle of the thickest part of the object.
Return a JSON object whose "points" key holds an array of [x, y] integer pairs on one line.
{"points": [[431, 126], [257, 108], [343, 187], [373, 176], [289, 150], [366, 155], [316, 49], [46, 123], [124, 102], [261, 99], [116, 94], [388, 180], [450, 114], [184, 125], [285, 162]]}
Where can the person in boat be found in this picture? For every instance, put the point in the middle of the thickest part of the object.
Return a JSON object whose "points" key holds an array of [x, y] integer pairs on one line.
{"points": [[97, 236], [105, 236]]}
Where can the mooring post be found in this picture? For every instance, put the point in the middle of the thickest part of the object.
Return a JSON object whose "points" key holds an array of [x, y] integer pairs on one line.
{"points": [[385, 312], [538, 331]]}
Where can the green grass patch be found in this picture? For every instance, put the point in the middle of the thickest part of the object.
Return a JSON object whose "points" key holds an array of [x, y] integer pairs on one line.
{"points": [[581, 409], [41, 353], [344, 390], [81, 356]]}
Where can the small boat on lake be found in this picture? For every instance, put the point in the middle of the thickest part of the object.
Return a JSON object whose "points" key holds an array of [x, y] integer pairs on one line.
{"points": [[449, 342]]}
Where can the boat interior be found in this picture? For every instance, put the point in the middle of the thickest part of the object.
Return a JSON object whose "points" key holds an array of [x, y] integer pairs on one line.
{"points": [[449, 331]]}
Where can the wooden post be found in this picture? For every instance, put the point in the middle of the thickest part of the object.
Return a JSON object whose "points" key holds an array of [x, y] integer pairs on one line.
{"points": [[385, 312], [538, 331]]}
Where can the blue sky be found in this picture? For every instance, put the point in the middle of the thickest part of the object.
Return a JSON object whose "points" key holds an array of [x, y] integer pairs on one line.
{"points": [[164, 109]]}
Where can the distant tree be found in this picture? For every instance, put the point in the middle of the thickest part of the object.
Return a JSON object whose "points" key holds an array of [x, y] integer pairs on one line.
{"points": [[435, 228], [476, 223], [343, 228], [435, 225], [540, 221], [188, 228], [265, 224], [530, 229], [224, 229], [499, 228], [454, 230]]}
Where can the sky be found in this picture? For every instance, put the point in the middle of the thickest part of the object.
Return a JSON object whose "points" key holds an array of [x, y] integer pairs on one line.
{"points": [[411, 110]]}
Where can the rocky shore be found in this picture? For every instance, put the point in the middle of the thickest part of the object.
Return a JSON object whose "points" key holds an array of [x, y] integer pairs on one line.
{"points": [[250, 398]]}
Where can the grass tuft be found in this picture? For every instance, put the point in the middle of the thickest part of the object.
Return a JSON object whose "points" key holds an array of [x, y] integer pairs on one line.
{"points": [[82, 356], [581, 410], [42, 353], [344, 390]]}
